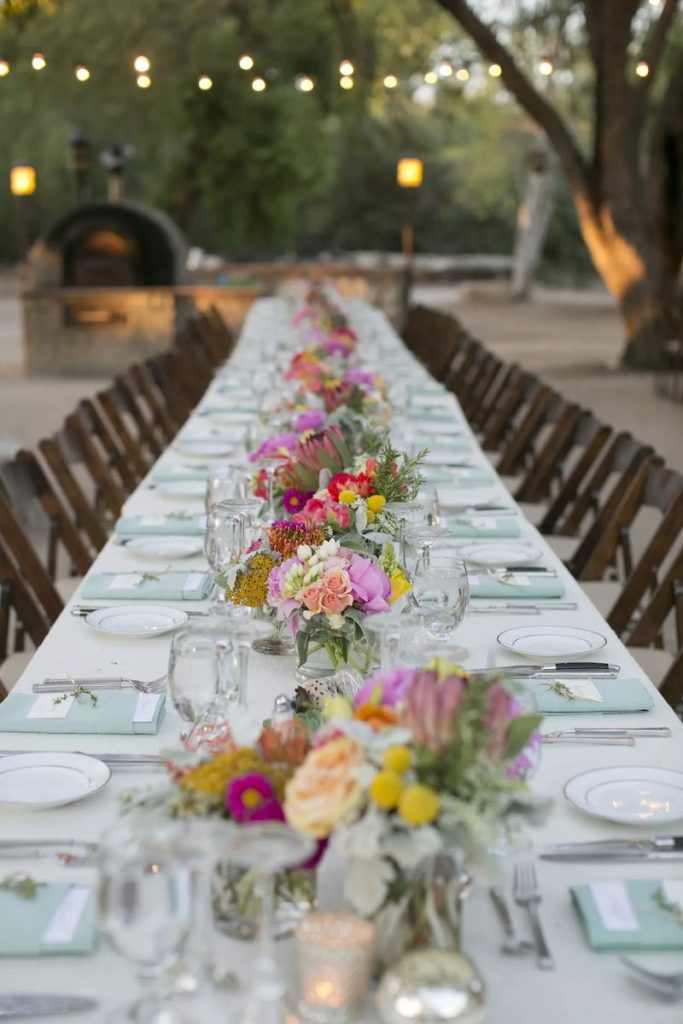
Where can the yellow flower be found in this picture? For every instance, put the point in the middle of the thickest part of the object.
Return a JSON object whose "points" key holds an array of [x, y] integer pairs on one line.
{"points": [[376, 502], [400, 585], [386, 789], [347, 497], [212, 778], [419, 805], [251, 585], [324, 788], [371, 516], [397, 759], [337, 707]]}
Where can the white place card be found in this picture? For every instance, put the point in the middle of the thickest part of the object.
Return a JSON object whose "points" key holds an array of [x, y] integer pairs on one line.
{"points": [[614, 906], [193, 581], [44, 706], [582, 689], [125, 581], [64, 923], [146, 707]]}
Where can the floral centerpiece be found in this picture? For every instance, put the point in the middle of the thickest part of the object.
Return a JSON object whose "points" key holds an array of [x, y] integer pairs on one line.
{"points": [[420, 762]]}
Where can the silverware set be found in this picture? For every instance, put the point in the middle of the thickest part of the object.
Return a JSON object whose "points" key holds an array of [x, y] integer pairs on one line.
{"points": [[68, 852], [607, 736], [555, 670], [523, 608], [660, 848], [527, 894], [69, 683], [14, 1005]]}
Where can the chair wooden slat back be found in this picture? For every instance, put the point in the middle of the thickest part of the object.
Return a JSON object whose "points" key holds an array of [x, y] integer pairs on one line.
{"points": [[671, 688], [223, 330], [133, 402], [518, 448], [591, 438], [490, 399], [546, 469], [522, 388], [168, 414], [434, 338], [111, 452], [43, 516], [20, 612], [109, 495], [110, 402], [481, 381], [58, 456], [20, 552]]}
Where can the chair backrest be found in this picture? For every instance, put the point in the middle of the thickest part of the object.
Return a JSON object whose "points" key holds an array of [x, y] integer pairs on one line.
{"points": [[60, 455], [111, 452], [545, 472], [222, 330], [433, 337], [20, 612], [20, 554], [522, 388], [671, 687], [35, 501], [517, 453], [109, 495], [133, 401], [131, 443], [485, 369], [168, 414], [589, 441]]}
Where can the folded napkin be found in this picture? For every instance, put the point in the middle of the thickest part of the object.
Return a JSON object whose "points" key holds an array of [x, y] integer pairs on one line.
{"points": [[459, 478], [236, 405], [442, 416], [218, 435], [631, 915], [618, 695], [483, 526], [181, 474], [437, 430], [232, 414], [453, 455], [437, 475], [59, 919], [139, 586], [514, 585], [116, 712], [154, 525]]}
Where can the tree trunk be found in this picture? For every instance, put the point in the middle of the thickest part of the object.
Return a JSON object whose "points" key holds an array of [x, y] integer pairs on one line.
{"points": [[533, 217]]}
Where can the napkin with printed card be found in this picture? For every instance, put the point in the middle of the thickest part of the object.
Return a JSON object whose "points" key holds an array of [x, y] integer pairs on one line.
{"points": [[631, 915], [97, 712], [147, 586], [47, 919], [565, 696]]}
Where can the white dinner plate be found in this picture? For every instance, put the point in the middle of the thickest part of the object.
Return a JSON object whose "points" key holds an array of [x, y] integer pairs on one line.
{"points": [[230, 417], [500, 552], [181, 488], [38, 781], [165, 548], [139, 620], [204, 448], [629, 796], [551, 641]]}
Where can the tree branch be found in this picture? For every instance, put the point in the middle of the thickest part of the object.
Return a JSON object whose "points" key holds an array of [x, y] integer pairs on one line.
{"points": [[524, 92]]}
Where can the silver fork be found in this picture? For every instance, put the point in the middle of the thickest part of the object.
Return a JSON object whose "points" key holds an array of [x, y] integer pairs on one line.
{"points": [[101, 683], [668, 986], [528, 895]]}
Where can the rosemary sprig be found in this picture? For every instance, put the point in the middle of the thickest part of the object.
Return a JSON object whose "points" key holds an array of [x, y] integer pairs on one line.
{"points": [[562, 690], [23, 886], [79, 692]]}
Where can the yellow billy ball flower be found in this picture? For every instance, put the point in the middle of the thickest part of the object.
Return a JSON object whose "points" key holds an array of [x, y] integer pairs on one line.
{"points": [[376, 502], [385, 789], [347, 497], [371, 516], [397, 759], [419, 805]]}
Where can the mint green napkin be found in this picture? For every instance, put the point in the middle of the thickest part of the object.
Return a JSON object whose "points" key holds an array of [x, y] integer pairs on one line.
{"points": [[437, 474], [658, 927], [484, 526], [445, 455], [173, 474], [23, 923], [241, 412], [220, 435], [137, 586], [460, 478], [434, 415], [113, 714], [618, 695], [155, 525], [484, 585]]}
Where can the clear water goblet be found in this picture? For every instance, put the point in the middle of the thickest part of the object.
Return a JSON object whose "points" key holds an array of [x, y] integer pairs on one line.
{"points": [[223, 545], [441, 596], [225, 483], [193, 671], [407, 513], [392, 628]]}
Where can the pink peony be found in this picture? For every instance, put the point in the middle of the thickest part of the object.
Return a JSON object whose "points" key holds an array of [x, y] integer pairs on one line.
{"points": [[371, 586]]}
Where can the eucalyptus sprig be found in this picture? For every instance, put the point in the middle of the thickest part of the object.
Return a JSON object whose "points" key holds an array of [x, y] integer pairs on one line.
{"points": [[79, 692]]}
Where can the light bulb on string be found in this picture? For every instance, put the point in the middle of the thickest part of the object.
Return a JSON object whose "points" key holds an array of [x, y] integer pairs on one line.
{"points": [[463, 74], [144, 81], [246, 62], [346, 82], [142, 64], [545, 67], [390, 81], [38, 61], [495, 70], [642, 69], [431, 78], [259, 84], [346, 68], [305, 83], [82, 73], [444, 69]]}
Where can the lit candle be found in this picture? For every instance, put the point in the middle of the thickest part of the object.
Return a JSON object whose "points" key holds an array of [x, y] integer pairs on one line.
{"points": [[335, 954]]}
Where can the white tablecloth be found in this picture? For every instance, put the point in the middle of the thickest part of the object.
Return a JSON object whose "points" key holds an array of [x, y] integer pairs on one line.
{"points": [[586, 986]]}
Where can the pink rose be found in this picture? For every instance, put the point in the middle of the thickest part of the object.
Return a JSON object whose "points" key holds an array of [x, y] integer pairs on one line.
{"points": [[333, 604], [371, 586], [336, 581], [312, 597]]}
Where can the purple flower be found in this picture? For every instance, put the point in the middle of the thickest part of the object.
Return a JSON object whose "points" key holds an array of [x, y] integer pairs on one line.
{"points": [[389, 687], [279, 444], [251, 797], [313, 420], [361, 378], [370, 586], [294, 500]]}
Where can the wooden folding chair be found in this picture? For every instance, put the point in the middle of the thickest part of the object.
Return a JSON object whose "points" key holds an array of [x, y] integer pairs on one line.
{"points": [[61, 455], [666, 601], [132, 445], [222, 330], [522, 388], [543, 408], [112, 454], [168, 413], [433, 337], [485, 369], [589, 441], [109, 495], [21, 554], [132, 400], [20, 616], [544, 474]]}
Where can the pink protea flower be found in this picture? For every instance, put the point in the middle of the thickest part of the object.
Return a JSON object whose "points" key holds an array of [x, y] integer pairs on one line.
{"points": [[278, 446], [431, 708]]}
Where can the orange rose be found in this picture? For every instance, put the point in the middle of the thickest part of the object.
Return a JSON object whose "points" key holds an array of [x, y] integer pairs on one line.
{"points": [[376, 716], [324, 788]]}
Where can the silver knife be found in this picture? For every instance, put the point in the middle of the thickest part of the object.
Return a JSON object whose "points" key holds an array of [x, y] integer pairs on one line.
{"points": [[521, 607], [14, 1005], [111, 759], [659, 848], [577, 669], [644, 731]]}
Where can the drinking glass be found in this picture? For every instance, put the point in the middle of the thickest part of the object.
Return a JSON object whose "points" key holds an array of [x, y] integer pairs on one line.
{"points": [[147, 891], [392, 628], [251, 509], [223, 544], [193, 671], [266, 848], [408, 513], [441, 594], [422, 540], [224, 483]]}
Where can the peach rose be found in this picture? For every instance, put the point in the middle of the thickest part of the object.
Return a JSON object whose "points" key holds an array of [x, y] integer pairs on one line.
{"points": [[324, 788], [336, 581], [312, 597], [333, 604]]}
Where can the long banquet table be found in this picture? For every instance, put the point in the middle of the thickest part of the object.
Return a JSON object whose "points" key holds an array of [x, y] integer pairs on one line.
{"points": [[586, 986]]}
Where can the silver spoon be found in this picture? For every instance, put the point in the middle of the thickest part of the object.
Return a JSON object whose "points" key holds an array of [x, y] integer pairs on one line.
{"points": [[513, 943]]}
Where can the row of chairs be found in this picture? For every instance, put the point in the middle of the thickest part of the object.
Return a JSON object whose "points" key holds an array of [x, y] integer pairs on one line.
{"points": [[58, 504], [605, 501]]}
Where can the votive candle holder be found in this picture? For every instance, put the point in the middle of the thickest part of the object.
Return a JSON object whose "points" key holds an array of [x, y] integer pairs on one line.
{"points": [[335, 955]]}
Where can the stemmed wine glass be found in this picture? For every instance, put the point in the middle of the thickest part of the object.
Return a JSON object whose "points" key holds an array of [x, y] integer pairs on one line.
{"points": [[441, 594], [265, 847], [193, 671], [223, 544], [392, 628], [408, 513]]}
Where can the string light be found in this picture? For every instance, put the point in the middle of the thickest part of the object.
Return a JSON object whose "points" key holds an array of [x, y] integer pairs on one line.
{"points": [[4, 68], [642, 69], [445, 69], [38, 62], [205, 83], [545, 67], [431, 78], [390, 81], [305, 83], [246, 62], [82, 73], [144, 81], [142, 64], [462, 74], [258, 84], [495, 70], [346, 68], [346, 82]]}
